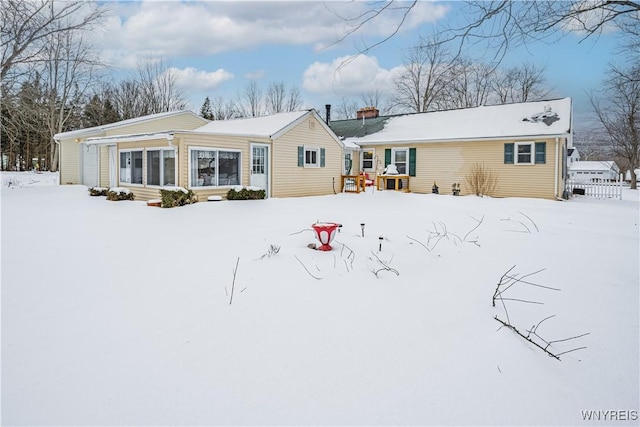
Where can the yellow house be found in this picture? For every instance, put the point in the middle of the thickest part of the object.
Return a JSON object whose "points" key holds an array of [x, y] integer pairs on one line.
{"points": [[87, 164], [287, 154], [522, 146]]}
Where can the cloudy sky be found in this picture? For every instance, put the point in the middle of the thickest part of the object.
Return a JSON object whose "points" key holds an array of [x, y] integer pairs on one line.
{"points": [[216, 48]]}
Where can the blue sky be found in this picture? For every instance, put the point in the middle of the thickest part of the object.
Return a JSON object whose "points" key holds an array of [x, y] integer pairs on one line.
{"points": [[216, 48]]}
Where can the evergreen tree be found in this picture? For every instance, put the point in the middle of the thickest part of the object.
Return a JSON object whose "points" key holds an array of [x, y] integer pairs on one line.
{"points": [[205, 110]]}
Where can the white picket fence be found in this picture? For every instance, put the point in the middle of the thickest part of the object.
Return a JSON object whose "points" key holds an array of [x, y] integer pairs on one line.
{"points": [[600, 190]]}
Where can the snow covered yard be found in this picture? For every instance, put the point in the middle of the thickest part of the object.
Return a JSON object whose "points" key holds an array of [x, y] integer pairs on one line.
{"points": [[115, 313]]}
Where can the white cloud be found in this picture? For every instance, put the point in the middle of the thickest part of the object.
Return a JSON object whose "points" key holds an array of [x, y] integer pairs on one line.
{"points": [[173, 29], [350, 76], [192, 79]]}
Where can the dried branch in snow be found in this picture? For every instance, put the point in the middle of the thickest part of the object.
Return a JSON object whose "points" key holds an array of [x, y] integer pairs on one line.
{"points": [[507, 281], [306, 269], [233, 284], [385, 266]]}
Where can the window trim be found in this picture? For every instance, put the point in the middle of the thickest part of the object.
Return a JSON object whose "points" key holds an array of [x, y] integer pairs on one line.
{"points": [[372, 160], [395, 150], [146, 164], [217, 167], [309, 148], [532, 153], [131, 184]]}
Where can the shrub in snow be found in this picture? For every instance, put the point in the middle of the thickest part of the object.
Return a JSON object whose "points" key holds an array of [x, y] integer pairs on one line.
{"points": [[246, 193], [98, 191], [119, 193], [481, 179], [178, 196]]}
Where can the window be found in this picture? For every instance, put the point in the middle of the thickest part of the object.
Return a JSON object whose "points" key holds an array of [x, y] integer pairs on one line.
{"points": [[161, 166], [524, 153], [131, 167], [347, 163], [209, 167], [367, 160], [311, 157], [400, 157]]}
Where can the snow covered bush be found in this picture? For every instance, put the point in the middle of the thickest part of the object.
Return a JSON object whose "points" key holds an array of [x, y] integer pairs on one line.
{"points": [[246, 193], [119, 193], [178, 196], [98, 191]]}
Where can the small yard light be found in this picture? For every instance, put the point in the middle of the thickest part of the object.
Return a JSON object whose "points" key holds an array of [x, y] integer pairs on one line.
{"points": [[362, 226], [380, 239]]}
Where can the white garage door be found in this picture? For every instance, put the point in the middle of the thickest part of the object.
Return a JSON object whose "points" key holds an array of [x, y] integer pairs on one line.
{"points": [[89, 165]]}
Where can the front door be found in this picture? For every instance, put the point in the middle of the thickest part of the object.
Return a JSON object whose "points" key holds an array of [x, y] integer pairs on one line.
{"points": [[260, 167]]}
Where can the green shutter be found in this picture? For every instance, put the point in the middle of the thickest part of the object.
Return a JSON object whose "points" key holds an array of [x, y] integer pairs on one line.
{"points": [[541, 152], [387, 157], [300, 156], [508, 153], [412, 162], [322, 156]]}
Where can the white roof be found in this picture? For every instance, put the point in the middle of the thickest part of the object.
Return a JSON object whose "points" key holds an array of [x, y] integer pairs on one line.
{"points": [[266, 126], [96, 130], [540, 118], [594, 165]]}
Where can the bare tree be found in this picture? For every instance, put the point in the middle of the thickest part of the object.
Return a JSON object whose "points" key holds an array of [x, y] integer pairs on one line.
{"points": [[27, 26], [250, 102], [126, 98], [158, 83], [505, 24], [224, 110], [424, 78], [346, 109], [617, 107], [520, 84], [293, 99], [470, 85], [275, 98], [68, 74]]}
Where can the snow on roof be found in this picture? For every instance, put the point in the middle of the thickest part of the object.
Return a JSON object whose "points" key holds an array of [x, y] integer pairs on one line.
{"points": [[594, 165], [99, 129], [540, 118], [266, 126]]}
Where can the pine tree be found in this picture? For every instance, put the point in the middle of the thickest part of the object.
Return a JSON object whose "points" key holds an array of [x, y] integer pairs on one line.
{"points": [[205, 110]]}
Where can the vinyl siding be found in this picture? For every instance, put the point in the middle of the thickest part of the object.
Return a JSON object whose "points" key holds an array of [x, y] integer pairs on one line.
{"points": [[103, 161], [446, 163], [215, 141], [140, 192], [290, 180], [70, 164]]}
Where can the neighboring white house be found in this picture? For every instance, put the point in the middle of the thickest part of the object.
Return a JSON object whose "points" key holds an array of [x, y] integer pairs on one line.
{"points": [[572, 156], [592, 171]]}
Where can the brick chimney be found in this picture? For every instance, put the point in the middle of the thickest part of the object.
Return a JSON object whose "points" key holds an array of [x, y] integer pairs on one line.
{"points": [[367, 113]]}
